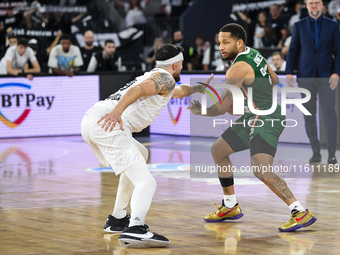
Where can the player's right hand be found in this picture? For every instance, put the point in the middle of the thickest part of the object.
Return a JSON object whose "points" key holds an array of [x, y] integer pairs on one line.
{"points": [[110, 121], [209, 79]]}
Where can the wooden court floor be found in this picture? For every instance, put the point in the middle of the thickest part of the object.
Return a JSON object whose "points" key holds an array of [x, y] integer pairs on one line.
{"points": [[49, 203]]}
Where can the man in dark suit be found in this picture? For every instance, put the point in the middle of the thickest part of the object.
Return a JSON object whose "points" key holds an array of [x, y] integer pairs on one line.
{"points": [[314, 41]]}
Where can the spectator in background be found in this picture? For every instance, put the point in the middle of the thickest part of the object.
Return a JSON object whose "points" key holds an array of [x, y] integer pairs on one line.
{"points": [[65, 58], [315, 46], [178, 40], [55, 42], [162, 18], [338, 15], [262, 22], [325, 11], [278, 24], [212, 59], [89, 49], [12, 19], [166, 8], [264, 35], [150, 59], [295, 17], [134, 11], [105, 60], [40, 54], [12, 40], [59, 22], [198, 53], [269, 39], [35, 15], [279, 64], [15, 60], [26, 23], [285, 48], [3, 37]]}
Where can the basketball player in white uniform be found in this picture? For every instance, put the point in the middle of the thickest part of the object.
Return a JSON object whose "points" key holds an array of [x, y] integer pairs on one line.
{"points": [[107, 128]]}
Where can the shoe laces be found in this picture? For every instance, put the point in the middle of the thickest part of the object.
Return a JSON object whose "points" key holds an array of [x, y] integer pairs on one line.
{"points": [[294, 213], [147, 227], [218, 208]]}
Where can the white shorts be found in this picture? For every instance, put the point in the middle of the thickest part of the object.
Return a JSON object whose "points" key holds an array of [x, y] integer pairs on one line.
{"points": [[117, 148]]}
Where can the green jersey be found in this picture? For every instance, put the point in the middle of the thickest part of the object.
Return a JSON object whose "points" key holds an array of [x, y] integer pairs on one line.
{"points": [[262, 85], [262, 93]]}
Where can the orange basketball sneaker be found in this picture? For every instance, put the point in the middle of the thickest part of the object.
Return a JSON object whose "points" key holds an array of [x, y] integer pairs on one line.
{"points": [[224, 213], [298, 220]]}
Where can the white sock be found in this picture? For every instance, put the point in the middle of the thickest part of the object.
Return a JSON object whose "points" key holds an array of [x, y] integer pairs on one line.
{"points": [[125, 189], [230, 200], [145, 187], [296, 205]]}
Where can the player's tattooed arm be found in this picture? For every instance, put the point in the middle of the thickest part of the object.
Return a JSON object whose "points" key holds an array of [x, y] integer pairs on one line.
{"points": [[196, 108], [230, 81], [164, 83], [227, 95], [184, 90]]}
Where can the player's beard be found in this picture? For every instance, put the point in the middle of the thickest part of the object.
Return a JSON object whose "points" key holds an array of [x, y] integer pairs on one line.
{"points": [[232, 55], [177, 77]]}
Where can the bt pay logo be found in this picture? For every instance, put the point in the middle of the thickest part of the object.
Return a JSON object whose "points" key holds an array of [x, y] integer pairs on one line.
{"points": [[13, 101]]}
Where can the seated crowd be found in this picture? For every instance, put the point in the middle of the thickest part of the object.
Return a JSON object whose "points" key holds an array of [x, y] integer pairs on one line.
{"points": [[61, 54]]}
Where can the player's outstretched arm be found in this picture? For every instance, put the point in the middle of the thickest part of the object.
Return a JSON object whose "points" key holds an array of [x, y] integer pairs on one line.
{"points": [[187, 90], [234, 76], [158, 83], [216, 109]]}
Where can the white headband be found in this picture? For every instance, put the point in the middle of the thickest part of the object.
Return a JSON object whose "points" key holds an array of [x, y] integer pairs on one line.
{"points": [[170, 61]]}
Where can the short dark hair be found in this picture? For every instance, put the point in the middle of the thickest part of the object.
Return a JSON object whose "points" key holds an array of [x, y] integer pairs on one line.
{"points": [[12, 37], [109, 41], [199, 36], [278, 53], [236, 31], [167, 51], [66, 37], [23, 41], [276, 5]]}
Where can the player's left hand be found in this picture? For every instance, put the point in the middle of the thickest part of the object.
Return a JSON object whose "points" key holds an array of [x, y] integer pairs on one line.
{"points": [[110, 121], [333, 81], [195, 107]]}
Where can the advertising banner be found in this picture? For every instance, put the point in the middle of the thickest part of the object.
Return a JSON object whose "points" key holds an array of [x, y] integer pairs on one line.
{"points": [[45, 106]]}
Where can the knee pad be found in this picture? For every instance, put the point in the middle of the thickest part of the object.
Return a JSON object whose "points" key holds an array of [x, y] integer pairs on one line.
{"points": [[226, 182]]}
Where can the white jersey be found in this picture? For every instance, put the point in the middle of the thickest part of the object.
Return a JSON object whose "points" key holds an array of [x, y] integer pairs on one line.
{"points": [[144, 111]]}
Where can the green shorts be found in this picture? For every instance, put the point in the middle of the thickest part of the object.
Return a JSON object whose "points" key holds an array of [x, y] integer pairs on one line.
{"points": [[269, 127]]}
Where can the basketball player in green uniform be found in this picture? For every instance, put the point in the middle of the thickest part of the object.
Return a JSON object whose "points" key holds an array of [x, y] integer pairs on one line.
{"points": [[259, 134]]}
